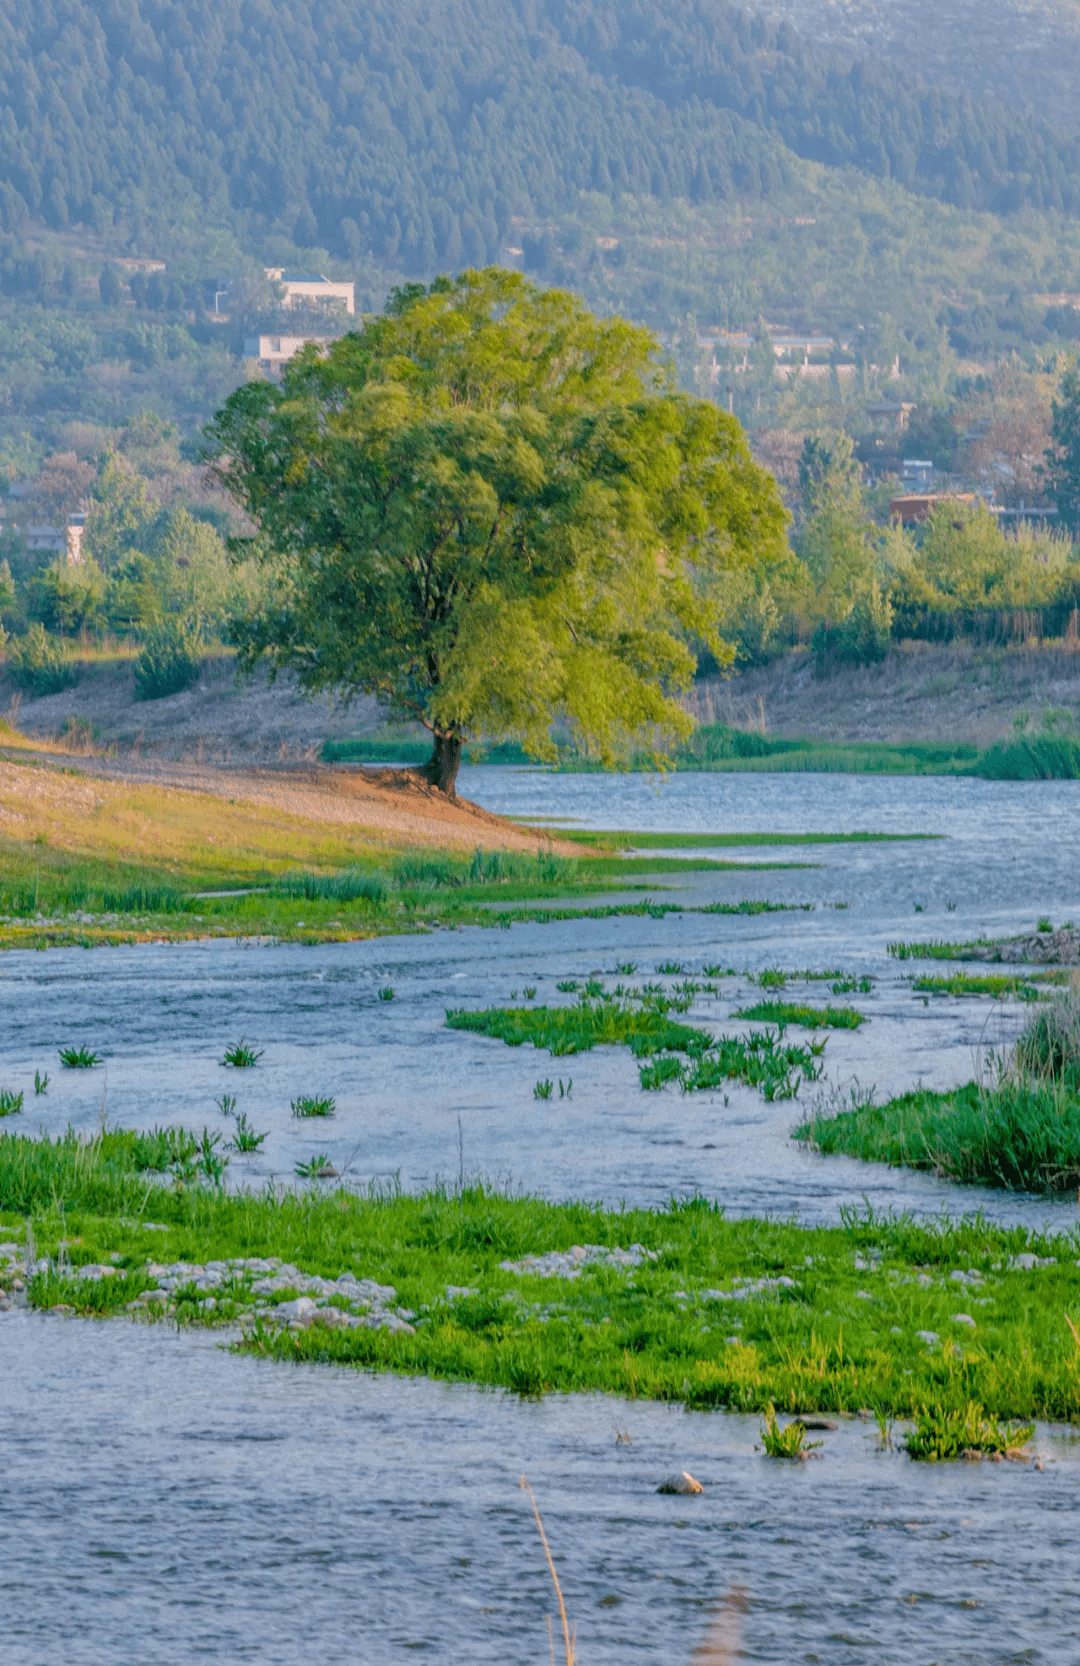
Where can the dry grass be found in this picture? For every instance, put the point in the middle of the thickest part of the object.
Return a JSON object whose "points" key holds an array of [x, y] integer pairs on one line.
{"points": [[232, 824], [569, 1637]]}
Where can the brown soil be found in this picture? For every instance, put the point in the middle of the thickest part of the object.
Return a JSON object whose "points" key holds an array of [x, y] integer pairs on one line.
{"points": [[221, 718], [922, 691], [391, 804]]}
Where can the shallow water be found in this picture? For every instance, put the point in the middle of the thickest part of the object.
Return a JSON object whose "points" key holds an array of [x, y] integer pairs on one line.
{"points": [[161, 1501], [420, 1101]]}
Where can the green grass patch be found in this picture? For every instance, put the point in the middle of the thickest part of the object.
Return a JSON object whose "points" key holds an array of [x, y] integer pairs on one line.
{"points": [[999, 987], [939, 949], [737, 1314], [1047, 757], [759, 1059], [810, 1018], [943, 1433], [1020, 1133], [728, 841]]}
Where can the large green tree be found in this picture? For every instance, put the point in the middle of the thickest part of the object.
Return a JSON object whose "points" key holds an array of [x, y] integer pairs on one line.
{"points": [[488, 508]]}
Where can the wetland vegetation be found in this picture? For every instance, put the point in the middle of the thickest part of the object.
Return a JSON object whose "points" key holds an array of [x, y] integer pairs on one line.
{"points": [[695, 1308], [1018, 1128]]}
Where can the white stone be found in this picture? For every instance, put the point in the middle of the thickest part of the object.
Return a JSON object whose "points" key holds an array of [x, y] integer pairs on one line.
{"points": [[683, 1483], [930, 1337], [298, 1310], [963, 1319]]}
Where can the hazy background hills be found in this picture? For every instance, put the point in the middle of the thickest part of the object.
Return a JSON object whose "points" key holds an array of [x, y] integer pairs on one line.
{"points": [[1025, 52]]}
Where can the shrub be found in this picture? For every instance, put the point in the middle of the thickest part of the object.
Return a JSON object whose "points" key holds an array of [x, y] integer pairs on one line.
{"points": [[40, 665], [1050, 1045], [170, 661]]}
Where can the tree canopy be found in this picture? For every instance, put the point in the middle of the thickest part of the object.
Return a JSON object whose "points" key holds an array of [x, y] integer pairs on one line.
{"points": [[488, 508]]}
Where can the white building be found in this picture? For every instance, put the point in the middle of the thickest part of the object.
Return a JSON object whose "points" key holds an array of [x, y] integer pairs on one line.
{"points": [[301, 289], [270, 352]]}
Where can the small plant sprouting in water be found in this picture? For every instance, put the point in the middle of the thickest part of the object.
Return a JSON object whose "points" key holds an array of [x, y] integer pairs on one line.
{"points": [[565, 1093], [951, 906], [10, 1103], [1045, 924], [530, 992], [307, 1105], [209, 1161], [941, 1434], [785, 1443], [387, 994], [41, 1082], [543, 1090], [884, 1428], [78, 1058], [771, 977], [226, 1104], [241, 1056], [316, 1168], [669, 968], [245, 1138], [918, 908], [568, 986], [626, 968]]}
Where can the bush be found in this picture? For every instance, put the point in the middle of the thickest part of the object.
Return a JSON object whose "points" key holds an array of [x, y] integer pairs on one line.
{"points": [[170, 661], [1050, 1045], [39, 664], [1045, 757], [863, 638]]}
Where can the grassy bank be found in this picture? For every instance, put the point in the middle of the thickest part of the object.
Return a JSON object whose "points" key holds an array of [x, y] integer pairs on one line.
{"points": [[706, 1311], [1023, 1134], [719, 747], [1019, 1129], [88, 861]]}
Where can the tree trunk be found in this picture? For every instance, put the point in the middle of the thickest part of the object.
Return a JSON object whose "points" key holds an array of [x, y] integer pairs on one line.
{"points": [[442, 767]]}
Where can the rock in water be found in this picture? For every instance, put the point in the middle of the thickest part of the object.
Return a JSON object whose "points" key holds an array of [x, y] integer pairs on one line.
{"points": [[683, 1482]]}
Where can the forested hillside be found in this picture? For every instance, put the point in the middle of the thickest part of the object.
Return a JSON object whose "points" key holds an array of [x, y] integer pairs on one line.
{"points": [[413, 132]]}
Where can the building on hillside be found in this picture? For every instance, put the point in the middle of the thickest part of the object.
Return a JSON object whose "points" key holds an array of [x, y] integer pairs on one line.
{"points": [[916, 507], [270, 352], [892, 414], [917, 474], [305, 289]]}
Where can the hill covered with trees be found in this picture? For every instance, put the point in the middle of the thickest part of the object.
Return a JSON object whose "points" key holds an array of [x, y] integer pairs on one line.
{"points": [[412, 133]]}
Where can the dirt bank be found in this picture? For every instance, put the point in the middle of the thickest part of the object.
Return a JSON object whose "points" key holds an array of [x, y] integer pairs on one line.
{"points": [[57, 803], [221, 719], [922, 691]]}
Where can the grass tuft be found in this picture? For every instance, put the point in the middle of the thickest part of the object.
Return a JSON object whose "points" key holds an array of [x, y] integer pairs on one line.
{"points": [[11, 1103], [943, 1433], [790, 1442], [810, 1018], [240, 1056], [78, 1058], [307, 1106]]}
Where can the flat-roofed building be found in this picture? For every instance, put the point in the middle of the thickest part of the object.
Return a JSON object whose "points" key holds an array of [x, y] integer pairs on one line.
{"points": [[307, 288]]}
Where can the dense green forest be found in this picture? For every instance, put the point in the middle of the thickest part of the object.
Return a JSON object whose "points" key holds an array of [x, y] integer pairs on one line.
{"points": [[415, 132]]}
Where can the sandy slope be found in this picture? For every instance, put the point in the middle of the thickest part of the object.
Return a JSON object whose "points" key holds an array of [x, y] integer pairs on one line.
{"points": [[63, 803]]}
